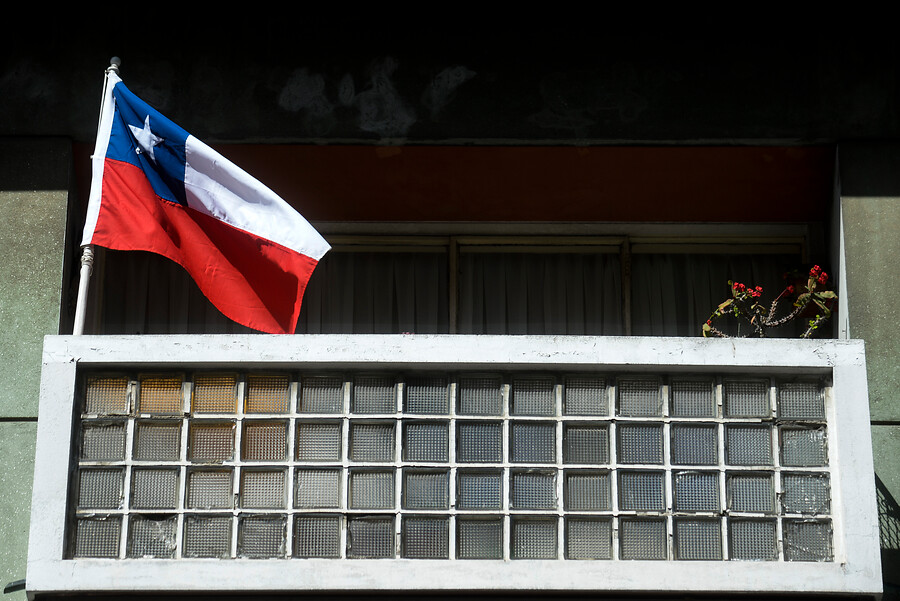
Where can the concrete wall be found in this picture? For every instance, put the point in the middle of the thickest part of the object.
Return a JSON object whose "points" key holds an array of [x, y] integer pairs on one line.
{"points": [[34, 199], [870, 203]]}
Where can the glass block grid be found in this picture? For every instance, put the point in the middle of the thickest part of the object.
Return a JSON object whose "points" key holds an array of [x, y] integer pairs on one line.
{"points": [[450, 466]]}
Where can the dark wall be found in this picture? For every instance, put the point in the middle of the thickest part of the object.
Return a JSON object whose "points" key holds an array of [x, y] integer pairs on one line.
{"points": [[321, 79]]}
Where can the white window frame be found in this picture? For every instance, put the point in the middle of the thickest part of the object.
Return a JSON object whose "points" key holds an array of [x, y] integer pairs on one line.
{"points": [[855, 568]]}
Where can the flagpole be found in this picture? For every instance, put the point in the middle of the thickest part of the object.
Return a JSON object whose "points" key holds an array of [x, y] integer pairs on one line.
{"points": [[87, 251]]}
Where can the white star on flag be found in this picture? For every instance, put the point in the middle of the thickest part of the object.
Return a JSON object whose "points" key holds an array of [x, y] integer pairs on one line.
{"points": [[146, 139]]}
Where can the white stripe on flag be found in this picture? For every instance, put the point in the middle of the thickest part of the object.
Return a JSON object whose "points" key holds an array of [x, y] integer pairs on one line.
{"points": [[218, 188]]}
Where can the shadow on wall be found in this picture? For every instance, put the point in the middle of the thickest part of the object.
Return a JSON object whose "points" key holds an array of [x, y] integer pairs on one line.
{"points": [[889, 526]]}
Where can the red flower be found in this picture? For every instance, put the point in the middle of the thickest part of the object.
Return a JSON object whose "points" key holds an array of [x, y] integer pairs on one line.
{"points": [[789, 289], [815, 271], [709, 322], [822, 278]]}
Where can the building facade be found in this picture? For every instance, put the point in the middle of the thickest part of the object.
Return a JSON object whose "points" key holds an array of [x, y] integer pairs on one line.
{"points": [[490, 201]]}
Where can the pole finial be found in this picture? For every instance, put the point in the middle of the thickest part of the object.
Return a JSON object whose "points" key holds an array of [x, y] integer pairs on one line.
{"points": [[114, 63]]}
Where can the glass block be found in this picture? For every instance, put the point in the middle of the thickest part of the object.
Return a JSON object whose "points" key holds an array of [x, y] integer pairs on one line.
{"points": [[696, 491], [748, 445], [317, 536], [209, 489], [153, 488], [371, 490], [587, 444], [207, 536], [427, 395], [426, 489], [531, 442], [160, 395], [214, 393], [426, 537], [642, 538], [371, 441], [211, 442], [103, 441], [373, 394], [268, 393], [318, 441], [805, 493], [748, 492], [807, 540], [752, 540], [106, 395], [693, 398], [426, 441], [698, 539], [587, 491], [479, 442], [97, 536], [639, 397], [264, 441], [262, 489], [801, 400], [479, 490], [370, 537], [157, 441], [746, 398], [533, 538], [642, 491], [588, 538], [479, 538], [640, 443], [100, 488], [803, 447], [315, 488], [694, 445], [533, 396], [261, 536], [480, 395], [321, 394], [152, 537], [585, 395], [532, 490]]}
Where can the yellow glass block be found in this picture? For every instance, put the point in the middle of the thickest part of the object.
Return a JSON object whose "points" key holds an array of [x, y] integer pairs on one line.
{"points": [[268, 393], [106, 395], [160, 394], [214, 393]]}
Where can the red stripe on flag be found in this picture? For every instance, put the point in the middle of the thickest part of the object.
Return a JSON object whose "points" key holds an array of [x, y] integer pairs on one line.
{"points": [[251, 280]]}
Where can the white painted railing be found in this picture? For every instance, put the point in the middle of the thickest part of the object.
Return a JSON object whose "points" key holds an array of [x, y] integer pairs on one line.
{"points": [[849, 564]]}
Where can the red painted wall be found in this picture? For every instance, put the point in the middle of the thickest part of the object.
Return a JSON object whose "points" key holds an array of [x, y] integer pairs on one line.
{"points": [[472, 183]]}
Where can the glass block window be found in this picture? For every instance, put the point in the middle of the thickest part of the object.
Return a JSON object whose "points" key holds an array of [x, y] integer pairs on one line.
{"points": [[450, 466]]}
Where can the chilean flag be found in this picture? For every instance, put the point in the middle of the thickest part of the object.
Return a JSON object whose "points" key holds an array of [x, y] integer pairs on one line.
{"points": [[156, 188]]}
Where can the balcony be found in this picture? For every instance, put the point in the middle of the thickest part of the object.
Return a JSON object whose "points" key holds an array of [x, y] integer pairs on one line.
{"points": [[332, 463]]}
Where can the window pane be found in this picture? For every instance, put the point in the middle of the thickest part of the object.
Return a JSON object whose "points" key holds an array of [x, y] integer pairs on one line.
{"points": [[642, 538], [534, 538], [370, 537], [426, 537], [317, 536], [588, 538], [375, 292], [698, 539], [207, 536], [540, 293], [479, 538], [214, 393]]}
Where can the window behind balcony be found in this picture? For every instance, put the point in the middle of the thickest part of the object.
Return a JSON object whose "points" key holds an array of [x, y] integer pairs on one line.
{"points": [[475, 285]]}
